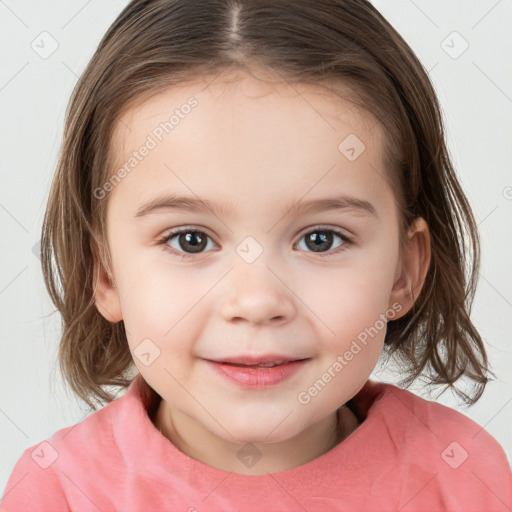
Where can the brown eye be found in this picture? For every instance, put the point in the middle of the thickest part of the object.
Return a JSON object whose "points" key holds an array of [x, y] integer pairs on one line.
{"points": [[321, 240], [187, 241]]}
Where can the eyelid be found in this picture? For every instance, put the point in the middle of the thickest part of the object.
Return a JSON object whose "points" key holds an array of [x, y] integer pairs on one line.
{"points": [[182, 229], [326, 227]]}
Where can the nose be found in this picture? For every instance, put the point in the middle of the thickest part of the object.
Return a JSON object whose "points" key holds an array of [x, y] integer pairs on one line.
{"points": [[257, 295]]}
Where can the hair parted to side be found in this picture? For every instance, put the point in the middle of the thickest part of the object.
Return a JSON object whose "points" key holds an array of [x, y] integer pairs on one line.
{"points": [[343, 45]]}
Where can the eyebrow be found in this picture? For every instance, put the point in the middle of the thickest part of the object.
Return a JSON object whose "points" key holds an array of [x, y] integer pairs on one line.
{"points": [[195, 204]]}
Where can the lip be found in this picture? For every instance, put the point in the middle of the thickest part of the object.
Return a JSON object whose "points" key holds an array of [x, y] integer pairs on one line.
{"points": [[251, 377], [256, 359]]}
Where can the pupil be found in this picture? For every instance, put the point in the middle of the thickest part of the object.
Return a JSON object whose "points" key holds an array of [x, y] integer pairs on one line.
{"points": [[321, 240], [315, 241], [194, 240]]}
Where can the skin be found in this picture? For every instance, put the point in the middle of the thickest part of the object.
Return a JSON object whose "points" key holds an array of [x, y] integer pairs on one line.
{"points": [[256, 146]]}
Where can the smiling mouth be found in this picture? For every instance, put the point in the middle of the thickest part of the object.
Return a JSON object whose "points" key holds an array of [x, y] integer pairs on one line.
{"points": [[257, 375], [268, 360]]}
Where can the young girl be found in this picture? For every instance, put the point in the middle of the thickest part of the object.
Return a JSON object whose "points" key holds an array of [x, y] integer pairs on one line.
{"points": [[254, 202]]}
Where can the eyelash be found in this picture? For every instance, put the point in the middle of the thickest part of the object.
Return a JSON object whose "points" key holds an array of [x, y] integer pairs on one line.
{"points": [[347, 242]]}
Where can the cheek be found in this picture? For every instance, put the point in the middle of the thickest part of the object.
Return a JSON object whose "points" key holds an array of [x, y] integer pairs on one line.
{"points": [[349, 300], [162, 303]]}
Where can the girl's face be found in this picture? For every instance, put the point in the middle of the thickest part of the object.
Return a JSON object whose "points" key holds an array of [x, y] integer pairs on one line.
{"points": [[289, 249]]}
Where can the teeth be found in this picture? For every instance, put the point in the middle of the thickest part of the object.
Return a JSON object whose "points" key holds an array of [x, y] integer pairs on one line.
{"points": [[262, 365]]}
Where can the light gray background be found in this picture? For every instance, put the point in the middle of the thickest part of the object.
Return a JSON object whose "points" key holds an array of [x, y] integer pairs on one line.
{"points": [[475, 90]]}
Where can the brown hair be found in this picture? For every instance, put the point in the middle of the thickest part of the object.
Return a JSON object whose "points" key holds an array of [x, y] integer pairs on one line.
{"points": [[343, 45]]}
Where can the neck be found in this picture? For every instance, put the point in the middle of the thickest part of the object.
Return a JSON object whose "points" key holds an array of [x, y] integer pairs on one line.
{"points": [[253, 458]]}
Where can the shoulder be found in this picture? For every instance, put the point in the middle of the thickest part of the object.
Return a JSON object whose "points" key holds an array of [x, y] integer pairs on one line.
{"points": [[464, 462], [432, 419], [44, 473]]}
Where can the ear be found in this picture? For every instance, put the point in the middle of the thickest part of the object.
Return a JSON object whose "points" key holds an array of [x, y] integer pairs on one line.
{"points": [[106, 295], [412, 267]]}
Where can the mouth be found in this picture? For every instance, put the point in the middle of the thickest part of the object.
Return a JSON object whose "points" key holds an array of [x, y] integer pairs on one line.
{"points": [[257, 374], [262, 361], [270, 364]]}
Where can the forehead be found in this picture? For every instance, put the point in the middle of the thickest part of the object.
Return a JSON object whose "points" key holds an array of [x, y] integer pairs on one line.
{"points": [[237, 132], [232, 97]]}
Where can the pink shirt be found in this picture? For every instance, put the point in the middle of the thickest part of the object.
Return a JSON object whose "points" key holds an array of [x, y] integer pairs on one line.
{"points": [[409, 454]]}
